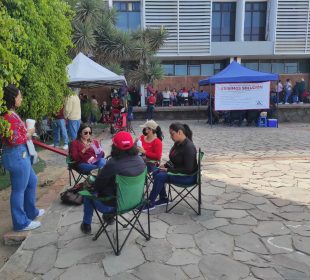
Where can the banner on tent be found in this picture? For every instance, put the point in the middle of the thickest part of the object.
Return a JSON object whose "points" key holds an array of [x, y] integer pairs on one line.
{"points": [[242, 96]]}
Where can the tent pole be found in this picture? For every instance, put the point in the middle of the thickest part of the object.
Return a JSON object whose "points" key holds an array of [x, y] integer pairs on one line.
{"points": [[277, 108], [210, 105]]}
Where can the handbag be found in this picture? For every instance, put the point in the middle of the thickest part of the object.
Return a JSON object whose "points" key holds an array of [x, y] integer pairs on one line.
{"points": [[32, 152], [71, 196]]}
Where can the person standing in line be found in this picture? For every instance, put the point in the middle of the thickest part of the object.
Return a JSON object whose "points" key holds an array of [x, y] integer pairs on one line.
{"points": [[59, 127], [288, 90], [17, 162], [151, 101], [72, 112]]}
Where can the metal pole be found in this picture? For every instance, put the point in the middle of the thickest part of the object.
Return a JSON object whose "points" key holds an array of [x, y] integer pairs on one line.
{"points": [[277, 107], [210, 104]]}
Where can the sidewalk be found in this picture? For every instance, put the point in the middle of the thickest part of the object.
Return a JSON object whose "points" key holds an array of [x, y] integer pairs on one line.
{"points": [[255, 221]]}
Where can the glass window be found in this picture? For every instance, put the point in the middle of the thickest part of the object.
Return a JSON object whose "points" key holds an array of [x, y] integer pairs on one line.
{"points": [[255, 21], [194, 70], [277, 67], [265, 66], [168, 69], [304, 66], [251, 65], [181, 69], [128, 16], [207, 69], [223, 21], [291, 67]]}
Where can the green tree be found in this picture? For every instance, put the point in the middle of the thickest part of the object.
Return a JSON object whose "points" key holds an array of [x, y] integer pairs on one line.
{"points": [[37, 55]]}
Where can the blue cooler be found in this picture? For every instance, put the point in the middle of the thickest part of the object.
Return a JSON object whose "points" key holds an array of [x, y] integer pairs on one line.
{"points": [[272, 123]]}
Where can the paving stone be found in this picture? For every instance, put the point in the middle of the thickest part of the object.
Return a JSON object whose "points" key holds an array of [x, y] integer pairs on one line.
{"points": [[245, 221], [279, 244], [249, 258], [183, 257], [80, 248], [72, 218], [159, 229], [95, 258], [219, 184], [235, 229], [43, 259], [53, 274], [205, 215], [50, 222], [268, 207], [156, 271], [271, 228], [266, 273], [291, 274], [35, 241], [302, 229], [214, 223], [191, 270], [302, 244], [253, 199], [295, 217], [190, 228], [292, 208], [124, 276], [157, 250], [215, 267], [214, 241], [263, 216], [14, 238], [131, 256], [83, 271], [238, 205], [231, 214], [71, 232], [181, 241], [250, 242], [210, 190], [174, 219]]}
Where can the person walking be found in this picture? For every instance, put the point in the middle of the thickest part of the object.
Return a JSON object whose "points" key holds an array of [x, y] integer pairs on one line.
{"points": [[72, 112], [59, 127], [151, 101], [17, 162]]}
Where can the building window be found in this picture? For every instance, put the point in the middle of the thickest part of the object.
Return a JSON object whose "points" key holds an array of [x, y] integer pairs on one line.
{"points": [[223, 21], [194, 68], [181, 68], [255, 21], [168, 69], [128, 15]]}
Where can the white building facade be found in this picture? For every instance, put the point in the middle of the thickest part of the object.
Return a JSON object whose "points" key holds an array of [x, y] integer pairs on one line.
{"points": [[205, 35]]}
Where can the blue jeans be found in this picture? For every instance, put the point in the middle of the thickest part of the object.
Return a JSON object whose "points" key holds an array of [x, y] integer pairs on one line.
{"points": [[287, 95], [87, 167], [59, 126], [16, 160], [149, 112], [73, 127], [161, 177], [89, 210]]}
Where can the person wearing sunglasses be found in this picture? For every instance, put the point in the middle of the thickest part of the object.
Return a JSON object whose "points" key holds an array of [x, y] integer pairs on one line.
{"points": [[85, 151]]}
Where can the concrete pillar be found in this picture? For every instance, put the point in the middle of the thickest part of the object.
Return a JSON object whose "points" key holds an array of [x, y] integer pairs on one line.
{"points": [[143, 94], [240, 15], [272, 20], [110, 3]]}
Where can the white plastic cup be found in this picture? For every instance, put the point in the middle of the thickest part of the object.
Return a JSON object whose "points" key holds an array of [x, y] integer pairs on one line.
{"points": [[139, 143], [30, 123]]}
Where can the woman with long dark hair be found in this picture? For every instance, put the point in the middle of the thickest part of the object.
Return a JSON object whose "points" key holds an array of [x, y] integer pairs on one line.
{"points": [[16, 160], [183, 159], [85, 151]]}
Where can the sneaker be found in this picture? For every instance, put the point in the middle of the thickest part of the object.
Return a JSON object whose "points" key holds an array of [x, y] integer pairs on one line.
{"points": [[56, 146], [41, 212], [162, 201], [286, 103], [151, 206], [65, 147], [85, 228], [32, 225], [301, 102]]}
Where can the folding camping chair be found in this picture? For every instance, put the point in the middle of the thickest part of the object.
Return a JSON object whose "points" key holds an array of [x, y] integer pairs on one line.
{"points": [[185, 191], [74, 172], [129, 198]]}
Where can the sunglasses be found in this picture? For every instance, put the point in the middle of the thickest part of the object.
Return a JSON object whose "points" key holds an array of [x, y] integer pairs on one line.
{"points": [[87, 132]]}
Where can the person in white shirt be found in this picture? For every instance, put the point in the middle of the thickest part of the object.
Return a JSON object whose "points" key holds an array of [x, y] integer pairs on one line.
{"points": [[72, 112]]}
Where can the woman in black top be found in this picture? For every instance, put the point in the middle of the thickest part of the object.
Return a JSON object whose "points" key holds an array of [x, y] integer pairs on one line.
{"points": [[183, 159]]}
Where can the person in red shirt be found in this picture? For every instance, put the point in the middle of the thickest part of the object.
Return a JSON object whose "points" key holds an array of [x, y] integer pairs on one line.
{"points": [[17, 161], [87, 153], [151, 142]]}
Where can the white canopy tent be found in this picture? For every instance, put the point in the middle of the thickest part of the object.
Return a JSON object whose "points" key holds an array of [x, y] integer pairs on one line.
{"points": [[85, 73]]}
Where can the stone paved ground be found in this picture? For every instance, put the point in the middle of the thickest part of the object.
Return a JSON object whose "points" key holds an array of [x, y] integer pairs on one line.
{"points": [[255, 222]]}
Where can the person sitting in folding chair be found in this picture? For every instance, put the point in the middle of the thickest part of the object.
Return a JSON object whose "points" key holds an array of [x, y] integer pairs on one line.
{"points": [[183, 159], [85, 152], [152, 146], [124, 161]]}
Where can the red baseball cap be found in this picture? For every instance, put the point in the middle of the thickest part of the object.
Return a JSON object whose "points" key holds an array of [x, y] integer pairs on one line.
{"points": [[123, 140]]}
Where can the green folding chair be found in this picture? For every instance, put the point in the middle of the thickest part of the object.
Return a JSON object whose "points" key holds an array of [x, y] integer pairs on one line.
{"points": [[186, 191], [129, 198]]}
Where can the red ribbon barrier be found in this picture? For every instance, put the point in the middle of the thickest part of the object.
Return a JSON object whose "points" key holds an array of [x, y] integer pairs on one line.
{"points": [[51, 148]]}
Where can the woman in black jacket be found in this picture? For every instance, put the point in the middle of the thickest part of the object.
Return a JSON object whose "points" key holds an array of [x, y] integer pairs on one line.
{"points": [[183, 159]]}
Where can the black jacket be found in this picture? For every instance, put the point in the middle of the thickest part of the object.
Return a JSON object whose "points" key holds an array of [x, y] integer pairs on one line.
{"points": [[127, 166], [183, 157]]}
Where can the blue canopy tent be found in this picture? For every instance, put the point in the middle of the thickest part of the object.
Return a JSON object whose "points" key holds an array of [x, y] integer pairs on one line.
{"points": [[236, 73]]}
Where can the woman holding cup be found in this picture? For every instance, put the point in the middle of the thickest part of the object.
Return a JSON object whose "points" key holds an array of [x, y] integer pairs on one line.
{"points": [[17, 162]]}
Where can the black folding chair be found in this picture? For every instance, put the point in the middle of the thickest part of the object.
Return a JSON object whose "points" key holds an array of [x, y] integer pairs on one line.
{"points": [[186, 191], [129, 198]]}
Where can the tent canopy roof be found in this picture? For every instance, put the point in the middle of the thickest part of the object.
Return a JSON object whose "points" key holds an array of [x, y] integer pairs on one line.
{"points": [[84, 72], [236, 73]]}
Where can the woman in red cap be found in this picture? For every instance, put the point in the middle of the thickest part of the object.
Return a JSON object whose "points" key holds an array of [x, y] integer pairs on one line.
{"points": [[124, 161]]}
